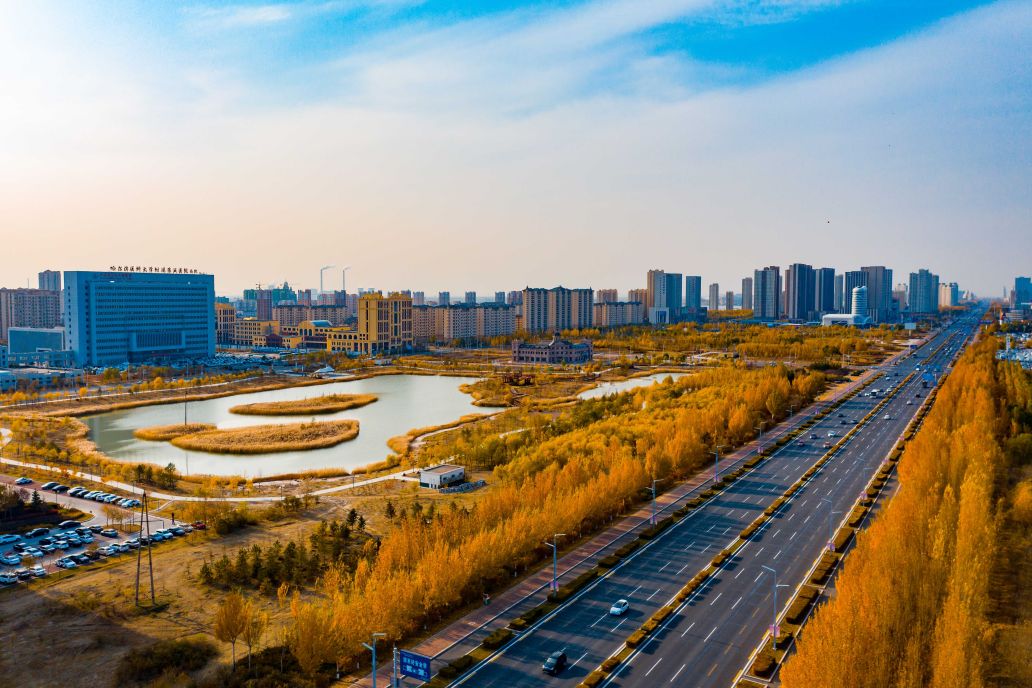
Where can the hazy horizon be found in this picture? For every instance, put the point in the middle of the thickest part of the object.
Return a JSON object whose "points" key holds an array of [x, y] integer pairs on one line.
{"points": [[434, 146]]}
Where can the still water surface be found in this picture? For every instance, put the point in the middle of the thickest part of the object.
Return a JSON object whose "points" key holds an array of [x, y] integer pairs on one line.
{"points": [[405, 402]]}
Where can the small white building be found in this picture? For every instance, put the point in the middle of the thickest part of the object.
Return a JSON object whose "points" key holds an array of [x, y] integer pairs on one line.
{"points": [[440, 476]]}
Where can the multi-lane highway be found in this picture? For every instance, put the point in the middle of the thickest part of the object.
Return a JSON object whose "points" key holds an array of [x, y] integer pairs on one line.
{"points": [[712, 635]]}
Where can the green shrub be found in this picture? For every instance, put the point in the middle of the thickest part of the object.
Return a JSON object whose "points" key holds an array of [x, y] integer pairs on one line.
{"points": [[148, 663], [497, 638], [455, 668], [609, 562], [763, 665], [626, 549]]}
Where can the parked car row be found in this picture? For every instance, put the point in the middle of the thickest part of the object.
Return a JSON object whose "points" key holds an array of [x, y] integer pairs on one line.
{"points": [[94, 495]]}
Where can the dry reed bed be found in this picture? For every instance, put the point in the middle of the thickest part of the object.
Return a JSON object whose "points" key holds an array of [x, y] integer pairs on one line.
{"points": [[164, 433], [264, 439], [329, 403]]}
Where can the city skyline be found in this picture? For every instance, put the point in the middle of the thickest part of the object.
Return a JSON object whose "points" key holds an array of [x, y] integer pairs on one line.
{"points": [[398, 137]]}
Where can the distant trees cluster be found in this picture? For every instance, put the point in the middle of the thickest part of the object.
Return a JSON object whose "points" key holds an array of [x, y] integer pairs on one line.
{"points": [[299, 563], [931, 595]]}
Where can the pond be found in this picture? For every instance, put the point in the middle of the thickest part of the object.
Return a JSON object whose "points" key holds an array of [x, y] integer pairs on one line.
{"points": [[405, 402], [607, 388]]}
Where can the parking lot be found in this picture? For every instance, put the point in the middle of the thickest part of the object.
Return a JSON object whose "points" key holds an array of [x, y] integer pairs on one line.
{"points": [[38, 552]]}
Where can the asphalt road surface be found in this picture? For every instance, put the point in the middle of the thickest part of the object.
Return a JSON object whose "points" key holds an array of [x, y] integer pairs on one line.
{"points": [[710, 638]]}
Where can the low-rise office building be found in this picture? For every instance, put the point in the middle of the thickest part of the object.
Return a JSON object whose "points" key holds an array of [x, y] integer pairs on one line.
{"points": [[442, 475], [555, 352]]}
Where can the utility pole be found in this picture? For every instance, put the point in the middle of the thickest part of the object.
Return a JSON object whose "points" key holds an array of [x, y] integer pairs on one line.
{"points": [[145, 519], [759, 438], [372, 648], [652, 517]]}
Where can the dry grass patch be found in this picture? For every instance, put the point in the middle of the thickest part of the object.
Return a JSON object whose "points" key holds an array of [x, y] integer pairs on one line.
{"points": [[165, 433], [330, 403], [262, 439]]}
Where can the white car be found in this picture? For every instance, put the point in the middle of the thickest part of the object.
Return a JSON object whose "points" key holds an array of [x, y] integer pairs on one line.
{"points": [[8, 578], [886, 417], [619, 608], [38, 571]]}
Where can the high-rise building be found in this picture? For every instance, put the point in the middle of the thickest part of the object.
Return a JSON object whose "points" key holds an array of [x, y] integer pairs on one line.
{"points": [[264, 302], [1022, 290], [840, 294], [854, 279], [747, 293], [664, 296], [800, 297], [470, 298], [824, 291], [606, 296], [385, 323], [924, 292], [50, 280], [515, 298], [641, 296], [499, 297], [225, 323], [713, 302], [879, 293], [618, 313], [729, 301], [29, 308], [693, 293], [557, 309], [860, 305], [655, 284], [117, 317], [949, 294], [418, 298], [443, 298], [674, 289], [767, 293]]}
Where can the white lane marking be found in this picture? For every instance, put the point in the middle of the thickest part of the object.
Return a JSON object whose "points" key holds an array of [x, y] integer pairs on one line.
{"points": [[687, 629], [776, 555], [704, 549], [581, 657], [776, 533], [634, 591], [674, 678], [597, 620], [792, 536], [652, 595], [618, 625], [706, 640], [760, 550], [790, 516], [758, 577], [663, 567], [716, 598], [726, 530], [682, 569], [739, 572], [654, 666], [736, 603], [689, 545]]}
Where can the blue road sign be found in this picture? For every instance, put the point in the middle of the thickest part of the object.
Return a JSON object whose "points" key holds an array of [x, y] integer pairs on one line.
{"points": [[414, 665]]}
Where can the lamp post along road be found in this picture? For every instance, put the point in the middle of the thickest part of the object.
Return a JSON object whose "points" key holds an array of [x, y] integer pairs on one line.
{"points": [[774, 619], [716, 462], [652, 518], [555, 560], [831, 540], [372, 648]]}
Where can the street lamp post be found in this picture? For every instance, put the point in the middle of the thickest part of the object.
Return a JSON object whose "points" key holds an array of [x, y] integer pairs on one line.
{"points": [[652, 518], [555, 560], [774, 623], [372, 648], [831, 540], [759, 438], [716, 462]]}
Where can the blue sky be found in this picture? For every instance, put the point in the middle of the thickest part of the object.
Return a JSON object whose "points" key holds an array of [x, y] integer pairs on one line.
{"points": [[448, 145]]}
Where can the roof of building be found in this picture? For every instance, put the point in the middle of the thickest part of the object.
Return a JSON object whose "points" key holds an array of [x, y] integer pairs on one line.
{"points": [[441, 469]]}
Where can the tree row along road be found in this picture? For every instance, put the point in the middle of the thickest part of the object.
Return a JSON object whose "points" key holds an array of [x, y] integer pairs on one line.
{"points": [[711, 636]]}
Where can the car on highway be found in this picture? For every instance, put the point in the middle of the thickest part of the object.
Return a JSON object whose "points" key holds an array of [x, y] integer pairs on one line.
{"points": [[813, 435], [23, 481], [910, 402], [832, 433], [555, 663], [619, 608], [886, 417]]}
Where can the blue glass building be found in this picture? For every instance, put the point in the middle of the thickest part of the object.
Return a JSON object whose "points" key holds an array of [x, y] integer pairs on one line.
{"points": [[138, 317]]}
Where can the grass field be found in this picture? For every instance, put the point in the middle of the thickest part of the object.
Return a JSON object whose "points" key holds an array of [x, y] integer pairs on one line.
{"points": [[330, 403], [262, 439], [165, 433]]}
